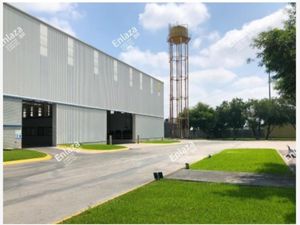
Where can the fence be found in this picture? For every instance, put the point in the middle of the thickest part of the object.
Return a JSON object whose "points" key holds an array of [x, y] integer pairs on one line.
{"points": [[286, 131]]}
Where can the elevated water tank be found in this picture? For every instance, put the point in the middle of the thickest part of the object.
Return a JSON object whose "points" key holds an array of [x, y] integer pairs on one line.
{"points": [[178, 34]]}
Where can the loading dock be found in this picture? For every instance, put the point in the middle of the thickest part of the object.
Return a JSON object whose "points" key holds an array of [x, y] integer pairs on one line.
{"points": [[36, 124], [119, 126]]}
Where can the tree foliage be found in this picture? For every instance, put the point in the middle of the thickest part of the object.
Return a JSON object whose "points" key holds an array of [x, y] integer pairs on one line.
{"points": [[222, 114], [270, 113], [253, 120], [277, 52], [257, 115], [236, 115], [230, 115], [202, 116]]}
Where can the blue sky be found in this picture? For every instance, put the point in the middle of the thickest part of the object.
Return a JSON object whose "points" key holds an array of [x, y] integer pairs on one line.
{"points": [[221, 34]]}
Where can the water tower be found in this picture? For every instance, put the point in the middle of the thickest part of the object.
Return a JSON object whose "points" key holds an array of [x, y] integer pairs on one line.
{"points": [[179, 80]]}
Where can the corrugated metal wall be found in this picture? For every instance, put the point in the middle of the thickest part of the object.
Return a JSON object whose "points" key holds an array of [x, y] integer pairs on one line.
{"points": [[148, 127], [12, 112], [50, 78], [9, 138], [12, 121], [77, 124]]}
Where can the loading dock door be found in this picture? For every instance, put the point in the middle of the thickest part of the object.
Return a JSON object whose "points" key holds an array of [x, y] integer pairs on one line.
{"points": [[119, 125], [36, 124]]}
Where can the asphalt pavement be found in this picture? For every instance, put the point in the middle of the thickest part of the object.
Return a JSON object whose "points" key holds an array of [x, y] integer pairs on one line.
{"points": [[48, 191]]}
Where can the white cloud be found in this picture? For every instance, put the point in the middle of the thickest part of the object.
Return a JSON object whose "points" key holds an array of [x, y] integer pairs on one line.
{"points": [[245, 82], [44, 7], [239, 88], [214, 76], [216, 97], [212, 86], [152, 63], [213, 36], [67, 9], [58, 15], [198, 39], [196, 43], [157, 16], [233, 49], [61, 24]]}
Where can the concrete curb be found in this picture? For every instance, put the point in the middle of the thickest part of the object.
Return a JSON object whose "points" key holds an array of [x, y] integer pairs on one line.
{"points": [[162, 144], [145, 145], [45, 158], [81, 150], [285, 161]]}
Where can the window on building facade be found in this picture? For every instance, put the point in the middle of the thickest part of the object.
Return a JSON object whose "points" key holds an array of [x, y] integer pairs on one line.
{"points": [[158, 88], [141, 81], [130, 77], [115, 70], [96, 62], [31, 111], [39, 111], [70, 51], [24, 112], [151, 85], [43, 40]]}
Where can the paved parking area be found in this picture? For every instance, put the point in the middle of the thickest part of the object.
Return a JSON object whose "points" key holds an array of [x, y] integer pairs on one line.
{"points": [[45, 192]]}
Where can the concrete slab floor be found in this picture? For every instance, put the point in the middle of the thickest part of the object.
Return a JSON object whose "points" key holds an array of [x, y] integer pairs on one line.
{"points": [[233, 178]]}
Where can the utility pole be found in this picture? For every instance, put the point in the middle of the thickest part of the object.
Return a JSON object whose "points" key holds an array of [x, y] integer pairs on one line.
{"points": [[269, 85]]}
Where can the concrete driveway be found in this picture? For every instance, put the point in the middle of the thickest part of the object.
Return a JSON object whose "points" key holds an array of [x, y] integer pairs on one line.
{"points": [[45, 192]]}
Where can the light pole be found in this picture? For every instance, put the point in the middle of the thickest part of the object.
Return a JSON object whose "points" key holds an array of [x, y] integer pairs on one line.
{"points": [[269, 85], [249, 60]]}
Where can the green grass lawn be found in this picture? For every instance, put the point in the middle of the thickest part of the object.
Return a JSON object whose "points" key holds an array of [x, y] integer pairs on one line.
{"points": [[160, 141], [97, 146], [101, 147], [170, 201], [17, 154], [245, 160]]}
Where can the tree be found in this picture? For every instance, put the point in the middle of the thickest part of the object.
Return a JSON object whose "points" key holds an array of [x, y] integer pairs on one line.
{"points": [[289, 111], [230, 115], [253, 120], [258, 115], [272, 113], [202, 116], [236, 115], [222, 114], [291, 114], [278, 54]]}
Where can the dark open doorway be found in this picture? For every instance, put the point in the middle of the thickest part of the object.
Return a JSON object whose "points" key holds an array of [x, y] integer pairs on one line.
{"points": [[119, 125], [36, 124]]}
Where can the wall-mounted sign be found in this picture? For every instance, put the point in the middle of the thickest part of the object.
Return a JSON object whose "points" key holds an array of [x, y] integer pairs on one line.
{"points": [[18, 134]]}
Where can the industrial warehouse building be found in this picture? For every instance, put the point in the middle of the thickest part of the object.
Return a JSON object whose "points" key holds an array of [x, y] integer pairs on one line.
{"points": [[58, 89]]}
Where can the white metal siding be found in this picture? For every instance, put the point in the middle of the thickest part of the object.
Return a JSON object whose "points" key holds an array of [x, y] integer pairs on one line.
{"points": [[148, 127], [12, 121], [50, 78], [77, 124], [9, 138], [12, 112]]}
